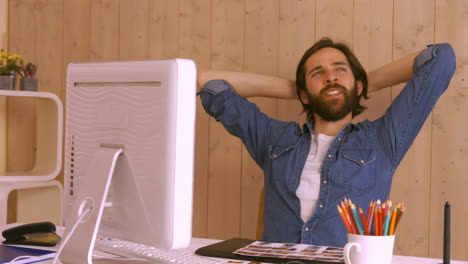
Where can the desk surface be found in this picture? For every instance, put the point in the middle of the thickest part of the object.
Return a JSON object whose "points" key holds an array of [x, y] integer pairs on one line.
{"points": [[199, 242]]}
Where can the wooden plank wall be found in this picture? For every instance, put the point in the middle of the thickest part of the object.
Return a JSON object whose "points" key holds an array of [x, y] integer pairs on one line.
{"points": [[269, 36], [3, 45]]}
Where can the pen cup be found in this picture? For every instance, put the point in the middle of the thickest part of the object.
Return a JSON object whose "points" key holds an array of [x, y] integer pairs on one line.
{"points": [[369, 249]]}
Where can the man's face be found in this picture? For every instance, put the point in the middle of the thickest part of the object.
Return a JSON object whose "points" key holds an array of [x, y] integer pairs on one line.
{"points": [[332, 91]]}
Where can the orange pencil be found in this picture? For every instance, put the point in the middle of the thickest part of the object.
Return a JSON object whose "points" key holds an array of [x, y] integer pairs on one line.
{"points": [[393, 220], [371, 220], [402, 211], [363, 220], [344, 219], [376, 220], [347, 206], [369, 212], [383, 210], [349, 218]]}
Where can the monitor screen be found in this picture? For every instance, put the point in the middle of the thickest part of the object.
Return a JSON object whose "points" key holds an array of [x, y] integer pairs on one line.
{"points": [[129, 150]]}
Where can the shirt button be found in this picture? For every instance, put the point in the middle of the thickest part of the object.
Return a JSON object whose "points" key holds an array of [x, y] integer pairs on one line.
{"points": [[295, 178], [324, 182], [321, 206], [339, 139], [307, 229], [274, 156], [296, 204], [362, 161], [329, 155]]}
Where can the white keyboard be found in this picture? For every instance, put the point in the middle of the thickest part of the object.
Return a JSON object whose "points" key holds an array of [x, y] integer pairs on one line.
{"points": [[152, 254]]}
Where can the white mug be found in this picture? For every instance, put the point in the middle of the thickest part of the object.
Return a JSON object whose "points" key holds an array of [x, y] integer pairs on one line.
{"points": [[369, 249]]}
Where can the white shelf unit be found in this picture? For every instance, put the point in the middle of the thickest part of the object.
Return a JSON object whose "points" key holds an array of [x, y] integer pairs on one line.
{"points": [[49, 138]]}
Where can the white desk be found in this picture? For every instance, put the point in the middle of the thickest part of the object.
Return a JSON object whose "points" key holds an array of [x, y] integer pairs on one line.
{"points": [[200, 242]]}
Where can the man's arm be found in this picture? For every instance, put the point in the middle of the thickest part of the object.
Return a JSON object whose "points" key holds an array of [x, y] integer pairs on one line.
{"points": [[258, 85], [396, 72], [251, 84]]}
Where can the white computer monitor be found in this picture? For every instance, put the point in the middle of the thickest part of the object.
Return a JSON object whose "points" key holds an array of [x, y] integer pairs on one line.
{"points": [[129, 151]]}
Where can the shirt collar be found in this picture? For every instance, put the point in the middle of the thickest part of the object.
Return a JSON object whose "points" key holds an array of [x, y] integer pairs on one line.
{"points": [[308, 128]]}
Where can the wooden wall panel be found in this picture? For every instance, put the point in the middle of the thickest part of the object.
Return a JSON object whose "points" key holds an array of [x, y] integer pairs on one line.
{"points": [[133, 30], [334, 19], [163, 29], [20, 119], [49, 37], [40, 49], [194, 43], [261, 56], [449, 138], [104, 31], [372, 42], [411, 184], [3, 116], [296, 35], [76, 36], [224, 183], [3, 23]]}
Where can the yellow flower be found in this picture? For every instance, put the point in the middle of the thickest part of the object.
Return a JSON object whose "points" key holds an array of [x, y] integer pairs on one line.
{"points": [[10, 63]]}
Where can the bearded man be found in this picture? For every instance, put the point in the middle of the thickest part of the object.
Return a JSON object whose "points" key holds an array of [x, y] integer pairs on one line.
{"points": [[308, 171]]}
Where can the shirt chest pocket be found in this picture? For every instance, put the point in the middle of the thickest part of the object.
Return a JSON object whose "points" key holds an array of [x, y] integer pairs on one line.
{"points": [[359, 167], [276, 151]]}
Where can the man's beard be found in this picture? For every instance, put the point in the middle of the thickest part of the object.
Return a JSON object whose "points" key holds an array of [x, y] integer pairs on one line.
{"points": [[335, 109]]}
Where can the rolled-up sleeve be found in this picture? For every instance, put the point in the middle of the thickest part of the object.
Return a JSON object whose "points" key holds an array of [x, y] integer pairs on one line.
{"points": [[433, 70], [211, 89]]}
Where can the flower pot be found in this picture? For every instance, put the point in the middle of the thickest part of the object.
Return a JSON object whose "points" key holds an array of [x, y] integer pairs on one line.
{"points": [[7, 82], [28, 84]]}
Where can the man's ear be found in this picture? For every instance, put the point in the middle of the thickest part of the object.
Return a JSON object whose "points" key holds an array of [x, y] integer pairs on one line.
{"points": [[359, 87], [304, 98]]}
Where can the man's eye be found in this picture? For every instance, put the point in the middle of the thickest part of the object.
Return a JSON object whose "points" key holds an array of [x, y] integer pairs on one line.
{"points": [[342, 69], [314, 74]]}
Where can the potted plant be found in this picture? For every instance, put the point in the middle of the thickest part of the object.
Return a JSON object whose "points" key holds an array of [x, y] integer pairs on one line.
{"points": [[10, 64], [28, 82]]}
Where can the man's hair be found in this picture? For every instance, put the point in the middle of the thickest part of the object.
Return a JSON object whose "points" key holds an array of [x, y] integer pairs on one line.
{"points": [[356, 67]]}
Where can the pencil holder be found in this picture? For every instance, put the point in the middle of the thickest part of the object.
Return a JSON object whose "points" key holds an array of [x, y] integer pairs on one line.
{"points": [[362, 249]]}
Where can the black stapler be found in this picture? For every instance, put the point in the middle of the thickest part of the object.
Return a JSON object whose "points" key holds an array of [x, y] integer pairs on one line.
{"points": [[34, 234]]}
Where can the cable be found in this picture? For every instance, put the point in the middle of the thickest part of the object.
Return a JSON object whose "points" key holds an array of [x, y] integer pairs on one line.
{"points": [[20, 257], [65, 241]]}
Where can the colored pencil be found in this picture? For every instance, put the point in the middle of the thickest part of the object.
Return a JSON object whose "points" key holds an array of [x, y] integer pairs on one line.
{"points": [[356, 218], [350, 215], [369, 208], [348, 218], [387, 221], [370, 217], [379, 220], [343, 218], [402, 211], [393, 220], [382, 219], [363, 221]]}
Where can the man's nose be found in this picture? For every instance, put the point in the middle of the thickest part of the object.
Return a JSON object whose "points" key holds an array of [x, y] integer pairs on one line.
{"points": [[330, 77]]}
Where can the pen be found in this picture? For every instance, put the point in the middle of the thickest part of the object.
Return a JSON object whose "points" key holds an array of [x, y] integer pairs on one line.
{"points": [[446, 233]]}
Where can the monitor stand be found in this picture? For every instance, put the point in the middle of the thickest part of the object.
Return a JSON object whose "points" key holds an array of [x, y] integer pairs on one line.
{"points": [[92, 195]]}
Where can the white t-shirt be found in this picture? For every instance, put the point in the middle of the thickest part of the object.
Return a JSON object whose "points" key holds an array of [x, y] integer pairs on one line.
{"points": [[309, 186]]}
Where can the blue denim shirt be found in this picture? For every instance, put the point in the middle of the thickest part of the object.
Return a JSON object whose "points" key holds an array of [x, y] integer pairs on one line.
{"points": [[359, 164]]}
